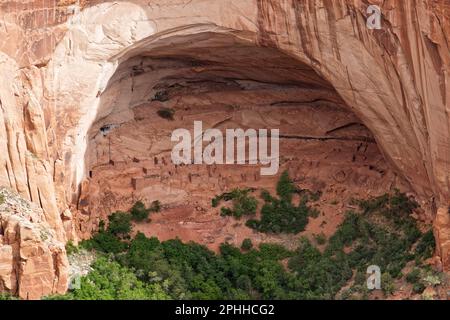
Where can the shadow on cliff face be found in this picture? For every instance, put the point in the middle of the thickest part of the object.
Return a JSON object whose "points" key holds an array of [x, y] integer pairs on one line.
{"points": [[226, 82], [393, 80], [360, 64], [191, 75]]}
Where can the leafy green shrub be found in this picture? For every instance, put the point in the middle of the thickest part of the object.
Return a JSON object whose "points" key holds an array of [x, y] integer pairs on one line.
{"points": [[119, 224], [360, 277], [7, 296], [426, 246], [372, 245], [247, 244], [396, 206], [215, 202], [383, 234], [110, 240], [111, 281], [373, 204], [320, 275], [314, 196], [285, 187], [274, 251], [387, 283], [180, 270], [224, 211], [432, 279], [418, 287], [104, 241], [243, 203], [139, 212], [400, 203], [321, 239], [413, 276], [166, 113], [280, 215], [266, 196]]}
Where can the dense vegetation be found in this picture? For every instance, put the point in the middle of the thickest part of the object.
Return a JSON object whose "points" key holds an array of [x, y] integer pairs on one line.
{"points": [[110, 281], [382, 234], [140, 213], [5, 296], [119, 228], [110, 240], [280, 215], [246, 244], [243, 204]]}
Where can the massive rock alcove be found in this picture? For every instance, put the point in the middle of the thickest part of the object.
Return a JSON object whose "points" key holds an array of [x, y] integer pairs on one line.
{"points": [[225, 81], [69, 68]]}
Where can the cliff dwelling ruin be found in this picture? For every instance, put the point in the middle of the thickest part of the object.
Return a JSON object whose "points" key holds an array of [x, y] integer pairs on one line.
{"points": [[225, 82]]}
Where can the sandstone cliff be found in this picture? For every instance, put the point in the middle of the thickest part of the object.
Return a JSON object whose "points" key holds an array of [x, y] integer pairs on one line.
{"points": [[32, 262], [59, 59]]}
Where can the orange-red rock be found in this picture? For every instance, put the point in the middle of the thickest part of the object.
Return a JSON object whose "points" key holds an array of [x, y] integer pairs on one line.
{"points": [[57, 59]]}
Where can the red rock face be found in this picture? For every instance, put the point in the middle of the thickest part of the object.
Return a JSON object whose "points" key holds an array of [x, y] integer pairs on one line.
{"points": [[60, 62], [33, 262]]}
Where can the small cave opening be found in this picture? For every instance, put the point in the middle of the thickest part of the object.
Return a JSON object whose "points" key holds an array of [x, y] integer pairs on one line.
{"points": [[227, 83]]}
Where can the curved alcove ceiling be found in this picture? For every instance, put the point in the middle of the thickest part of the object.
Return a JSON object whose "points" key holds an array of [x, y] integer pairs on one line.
{"points": [[205, 56], [377, 88], [216, 78]]}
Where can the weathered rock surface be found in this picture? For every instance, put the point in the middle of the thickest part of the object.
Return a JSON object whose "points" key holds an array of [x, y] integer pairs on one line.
{"points": [[58, 59], [33, 262], [442, 235]]}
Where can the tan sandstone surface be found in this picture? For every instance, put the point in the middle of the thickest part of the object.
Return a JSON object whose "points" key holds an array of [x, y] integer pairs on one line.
{"points": [[70, 68], [33, 262]]}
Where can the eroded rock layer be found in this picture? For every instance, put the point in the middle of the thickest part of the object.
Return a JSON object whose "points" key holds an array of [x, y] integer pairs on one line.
{"points": [[33, 262]]}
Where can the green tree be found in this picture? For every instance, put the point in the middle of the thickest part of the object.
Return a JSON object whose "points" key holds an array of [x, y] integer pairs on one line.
{"points": [[285, 187], [110, 281], [243, 204], [104, 241], [139, 212], [279, 215], [7, 296], [120, 224], [247, 244]]}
